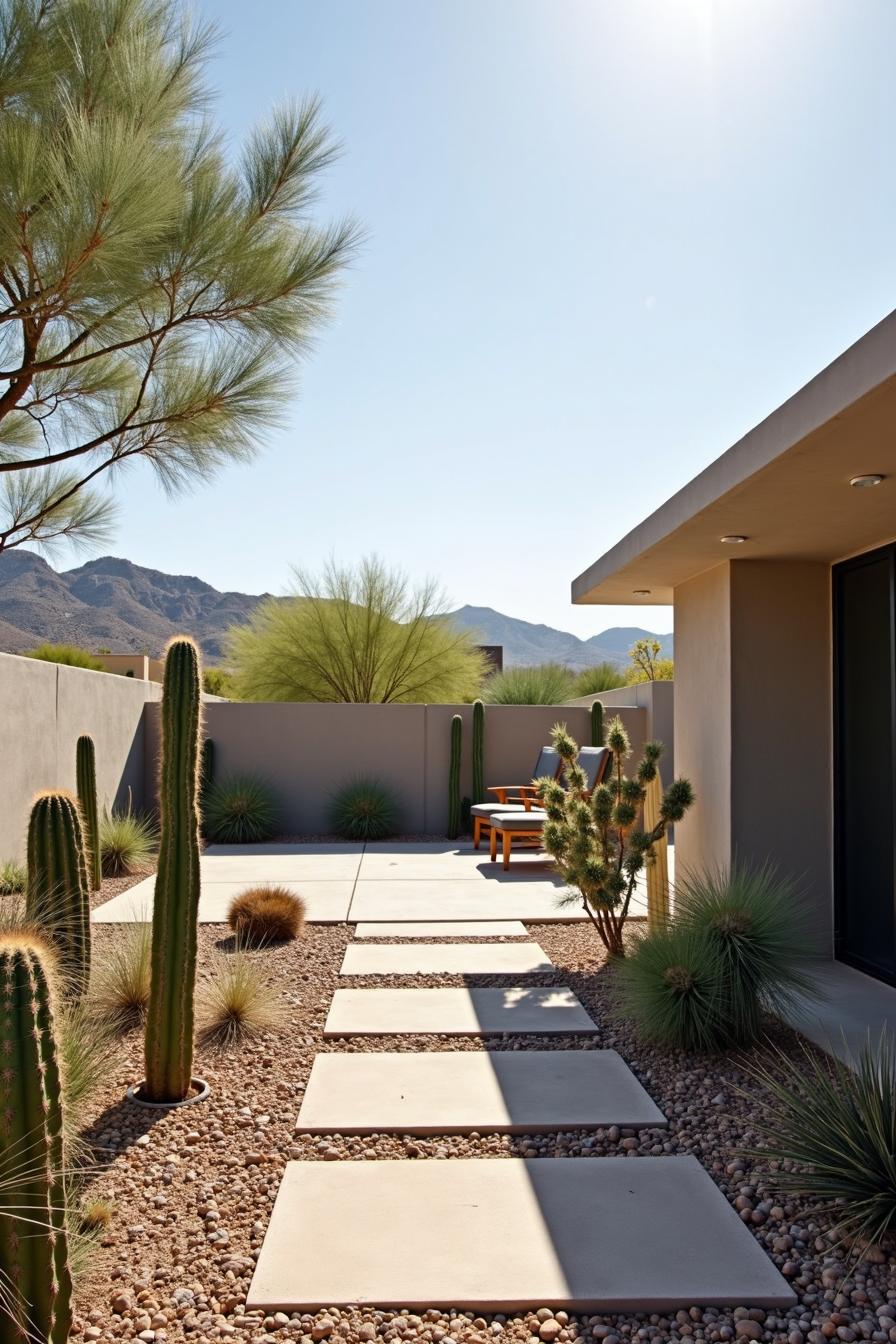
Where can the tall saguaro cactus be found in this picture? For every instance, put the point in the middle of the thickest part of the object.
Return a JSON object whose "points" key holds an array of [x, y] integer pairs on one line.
{"points": [[597, 724], [58, 893], [169, 1019], [85, 760], [478, 751], [35, 1279], [457, 725]]}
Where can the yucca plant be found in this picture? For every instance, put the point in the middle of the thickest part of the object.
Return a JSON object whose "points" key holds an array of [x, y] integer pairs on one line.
{"points": [[236, 1002], [129, 841], [363, 809], [829, 1130], [239, 810], [758, 922], [670, 987]]}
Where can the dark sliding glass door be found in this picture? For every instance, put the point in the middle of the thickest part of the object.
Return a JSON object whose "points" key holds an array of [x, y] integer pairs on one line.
{"points": [[865, 761]]}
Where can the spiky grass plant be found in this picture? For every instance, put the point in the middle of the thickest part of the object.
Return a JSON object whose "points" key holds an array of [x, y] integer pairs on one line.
{"points": [[240, 810], [363, 809], [829, 1130], [95, 1215], [542, 684], [128, 842], [85, 1055], [119, 991], [670, 988], [268, 914], [13, 878], [600, 677], [236, 1002], [758, 922]]}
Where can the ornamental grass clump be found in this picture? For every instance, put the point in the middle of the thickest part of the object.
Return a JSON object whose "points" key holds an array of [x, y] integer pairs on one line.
{"points": [[363, 809], [236, 1003], [268, 914], [596, 841], [13, 878], [239, 810], [119, 990], [757, 922], [128, 842], [670, 987], [829, 1132]]}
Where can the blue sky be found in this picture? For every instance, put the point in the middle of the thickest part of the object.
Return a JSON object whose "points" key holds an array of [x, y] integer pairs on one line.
{"points": [[604, 240]]}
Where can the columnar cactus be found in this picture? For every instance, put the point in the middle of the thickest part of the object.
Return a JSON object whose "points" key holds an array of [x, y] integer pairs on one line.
{"points": [[85, 760], [58, 894], [35, 1279], [457, 725], [169, 1019], [478, 751], [597, 724]]}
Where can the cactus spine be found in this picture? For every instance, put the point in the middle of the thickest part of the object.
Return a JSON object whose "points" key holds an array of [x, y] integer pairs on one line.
{"points": [[597, 724], [58, 896], [457, 725], [169, 1020], [36, 1301], [85, 758], [478, 751]]}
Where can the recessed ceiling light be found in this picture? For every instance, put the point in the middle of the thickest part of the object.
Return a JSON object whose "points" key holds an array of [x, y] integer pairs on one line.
{"points": [[862, 482], [641, 592], [733, 540]]}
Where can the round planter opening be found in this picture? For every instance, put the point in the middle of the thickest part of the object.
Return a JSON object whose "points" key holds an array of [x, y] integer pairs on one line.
{"points": [[200, 1092]]}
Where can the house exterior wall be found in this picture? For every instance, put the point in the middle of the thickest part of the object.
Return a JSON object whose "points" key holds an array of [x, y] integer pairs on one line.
{"points": [[657, 699]]}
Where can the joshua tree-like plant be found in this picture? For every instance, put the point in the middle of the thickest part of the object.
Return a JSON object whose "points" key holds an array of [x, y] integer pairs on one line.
{"points": [[457, 726], [58, 895], [85, 762], [597, 724], [596, 842], [35, 1278], [169, 1017], [478, 751]]}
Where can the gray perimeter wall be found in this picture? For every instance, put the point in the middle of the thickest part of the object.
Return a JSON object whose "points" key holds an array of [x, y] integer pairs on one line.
{"points": [[44, 708]]}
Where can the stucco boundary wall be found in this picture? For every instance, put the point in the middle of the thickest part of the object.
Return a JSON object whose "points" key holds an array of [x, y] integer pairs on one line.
{"points": [[305, 752], [657, 699], [44, 709]]}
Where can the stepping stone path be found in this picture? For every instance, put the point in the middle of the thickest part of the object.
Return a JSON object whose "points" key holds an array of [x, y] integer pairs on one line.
{"points": [[473, 928], [455, 1012], [446, 959], [497, 1091], [604, 1234]]}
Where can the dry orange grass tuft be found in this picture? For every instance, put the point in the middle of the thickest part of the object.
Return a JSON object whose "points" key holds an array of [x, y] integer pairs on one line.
{"points": [[269, 914]]}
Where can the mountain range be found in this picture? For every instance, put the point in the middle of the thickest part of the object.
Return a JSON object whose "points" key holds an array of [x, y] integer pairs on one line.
{"points": [[115, 605]]}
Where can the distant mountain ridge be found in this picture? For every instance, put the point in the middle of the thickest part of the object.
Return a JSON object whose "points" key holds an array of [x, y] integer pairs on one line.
{"points": [[114, 604]]}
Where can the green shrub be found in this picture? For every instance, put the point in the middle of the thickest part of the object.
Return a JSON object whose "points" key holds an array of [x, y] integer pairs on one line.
{"points": [[268, 914], [68, 654], [128, 842], [13, 878], [758, 922], [240, 810], [600, 677], [543, 684], [669, 986], [364, 809], [219, 681], [830, 1134]]}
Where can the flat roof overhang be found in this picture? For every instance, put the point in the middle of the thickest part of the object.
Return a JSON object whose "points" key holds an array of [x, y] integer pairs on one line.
{"points": [[785, 486]]}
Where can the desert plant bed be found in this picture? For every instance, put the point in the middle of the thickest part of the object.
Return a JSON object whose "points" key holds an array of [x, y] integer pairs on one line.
{"points": [[193, 1189]]}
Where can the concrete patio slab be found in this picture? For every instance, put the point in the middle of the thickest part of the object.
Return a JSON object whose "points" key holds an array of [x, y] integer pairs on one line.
{"points": [[464, 900], [473, 928], [455, 1012], [453, 867], [607, 1234], [275, 848], [446, 959], [280, 867], [499, 1091], [326, 902]]}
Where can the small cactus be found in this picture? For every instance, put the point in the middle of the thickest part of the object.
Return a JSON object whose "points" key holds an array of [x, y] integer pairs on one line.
{"points": [[169, 1019], [597, 724], [478, 751], [85, 759], [58, 895], [35, 1278], [457, 725]]}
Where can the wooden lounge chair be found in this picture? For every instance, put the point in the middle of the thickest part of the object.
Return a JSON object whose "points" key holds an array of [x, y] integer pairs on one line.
{"points": [[513, 797], [526, 824]]}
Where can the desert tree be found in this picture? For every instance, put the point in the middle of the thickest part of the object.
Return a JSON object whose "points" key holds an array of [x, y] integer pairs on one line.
{"points": [[363, 634], [647, 664], [156, 290]]}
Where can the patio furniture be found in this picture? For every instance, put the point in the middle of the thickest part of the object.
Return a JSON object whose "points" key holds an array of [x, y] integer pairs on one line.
{"points": [[514, 797], [526, 824]]}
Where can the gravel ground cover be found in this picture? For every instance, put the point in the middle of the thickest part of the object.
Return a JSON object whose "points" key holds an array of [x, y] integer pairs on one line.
{"points": [[192, 1189]]}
